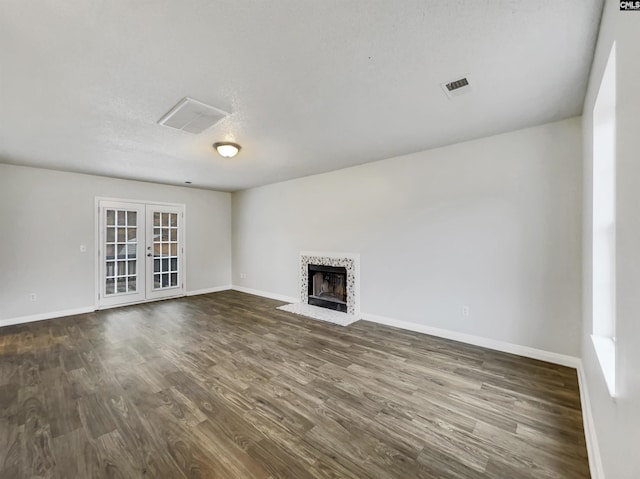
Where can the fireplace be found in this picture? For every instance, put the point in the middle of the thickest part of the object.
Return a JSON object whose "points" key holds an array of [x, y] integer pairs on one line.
{"points": [[327, 287]]}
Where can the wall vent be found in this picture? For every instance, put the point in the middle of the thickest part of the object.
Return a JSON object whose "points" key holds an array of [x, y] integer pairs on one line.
{"points": [[457, 87], [192, 116]]}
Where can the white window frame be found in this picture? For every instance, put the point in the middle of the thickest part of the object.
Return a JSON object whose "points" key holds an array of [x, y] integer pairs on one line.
{"points": [[604, 224]]}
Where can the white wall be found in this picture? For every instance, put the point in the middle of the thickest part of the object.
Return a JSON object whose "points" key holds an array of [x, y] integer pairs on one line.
{"points": [[617, 422], [46, 215], [494, 224]]}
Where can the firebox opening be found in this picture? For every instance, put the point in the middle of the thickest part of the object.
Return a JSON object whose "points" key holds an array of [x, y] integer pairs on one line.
{"points": [[328, 287]]}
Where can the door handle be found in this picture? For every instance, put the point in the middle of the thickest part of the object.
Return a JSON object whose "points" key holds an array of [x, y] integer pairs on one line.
{"points": [[149, 254]]}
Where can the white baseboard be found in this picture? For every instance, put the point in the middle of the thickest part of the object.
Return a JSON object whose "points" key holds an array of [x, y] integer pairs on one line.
{"points": [[217, 289], [488, 343], [591, 438], [526, 351], [88, 309], [43, 316], [266, 294]]}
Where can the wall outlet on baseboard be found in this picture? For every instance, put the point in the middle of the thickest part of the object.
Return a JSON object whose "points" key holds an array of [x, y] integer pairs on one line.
{"points": [[465, 311], [32, 297]]}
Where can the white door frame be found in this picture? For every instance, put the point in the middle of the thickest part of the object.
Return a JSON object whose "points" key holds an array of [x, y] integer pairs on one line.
{"points": [[98, 247]]}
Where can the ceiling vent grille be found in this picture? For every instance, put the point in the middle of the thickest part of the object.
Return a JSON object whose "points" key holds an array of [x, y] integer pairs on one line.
{"points": [[457, 87], [192, 116], [454, 85]]}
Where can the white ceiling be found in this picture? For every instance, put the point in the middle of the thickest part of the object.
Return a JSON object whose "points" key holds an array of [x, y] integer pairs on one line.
{"points": [[312, 85]]}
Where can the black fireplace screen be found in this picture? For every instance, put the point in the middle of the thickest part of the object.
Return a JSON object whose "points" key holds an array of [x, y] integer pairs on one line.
{"points": [[328, 287]]}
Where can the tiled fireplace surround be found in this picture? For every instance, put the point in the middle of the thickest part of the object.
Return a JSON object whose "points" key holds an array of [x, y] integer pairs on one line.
{"points": [[349, 261]]}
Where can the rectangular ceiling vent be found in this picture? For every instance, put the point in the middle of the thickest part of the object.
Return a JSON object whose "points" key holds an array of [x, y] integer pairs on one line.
{"points": [[192, 116], [457, 87]]}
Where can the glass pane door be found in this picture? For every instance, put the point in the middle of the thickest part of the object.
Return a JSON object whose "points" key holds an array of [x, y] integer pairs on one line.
{"points": [[165, 243], [121, 253], [140, 252]]}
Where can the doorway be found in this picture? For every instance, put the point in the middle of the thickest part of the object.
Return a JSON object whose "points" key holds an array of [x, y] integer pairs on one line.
{"points": [[140, 252]]}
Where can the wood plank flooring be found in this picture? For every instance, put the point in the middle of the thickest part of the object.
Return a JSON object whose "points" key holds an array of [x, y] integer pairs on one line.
{"points": [[225, 386]]}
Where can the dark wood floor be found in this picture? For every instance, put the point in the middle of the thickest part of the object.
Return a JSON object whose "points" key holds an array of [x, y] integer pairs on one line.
{"points": [[226, 386]]}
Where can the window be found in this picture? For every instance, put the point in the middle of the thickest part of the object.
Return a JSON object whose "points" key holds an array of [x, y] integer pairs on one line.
{"points": [[604, 222]]}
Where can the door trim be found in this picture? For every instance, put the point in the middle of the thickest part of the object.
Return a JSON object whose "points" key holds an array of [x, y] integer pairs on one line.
{"points": [[97, 246]]}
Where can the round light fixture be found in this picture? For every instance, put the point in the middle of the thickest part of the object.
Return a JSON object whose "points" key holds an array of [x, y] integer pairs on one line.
{"points": [[227, 149]]}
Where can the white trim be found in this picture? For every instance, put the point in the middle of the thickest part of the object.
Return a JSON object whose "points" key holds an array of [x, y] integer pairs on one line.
{"points": [[591, 438], [526, 351], [96, 249], [145, 301], [43, 316], [183, 246], [533, 353], [216, 289], [605, 348], [266, 294], [129, 200]]}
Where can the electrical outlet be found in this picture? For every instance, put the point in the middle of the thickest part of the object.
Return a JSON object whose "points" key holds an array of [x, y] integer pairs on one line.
{"points": [[465, 311], [32, 297], [83, 248], [243, 275]]}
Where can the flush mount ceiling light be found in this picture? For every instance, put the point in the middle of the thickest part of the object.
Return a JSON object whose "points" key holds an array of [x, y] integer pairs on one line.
{"points": [[227, 149]]}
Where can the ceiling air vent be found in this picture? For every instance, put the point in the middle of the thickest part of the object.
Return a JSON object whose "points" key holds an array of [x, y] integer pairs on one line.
{"points": [[454, 85], [192, 116], [457, 87]]}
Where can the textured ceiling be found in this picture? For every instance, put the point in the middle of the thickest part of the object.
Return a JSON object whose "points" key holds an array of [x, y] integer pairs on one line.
{"points": [[313, 86]]}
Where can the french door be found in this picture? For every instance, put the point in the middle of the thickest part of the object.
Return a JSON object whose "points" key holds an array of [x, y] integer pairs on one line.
{"points": [[140, 252]]}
